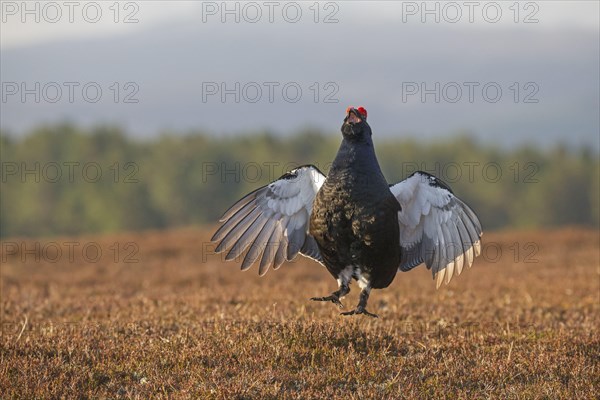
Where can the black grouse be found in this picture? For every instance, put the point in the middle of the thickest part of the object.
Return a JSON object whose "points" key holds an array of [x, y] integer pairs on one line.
{"points": [[353, 222]]}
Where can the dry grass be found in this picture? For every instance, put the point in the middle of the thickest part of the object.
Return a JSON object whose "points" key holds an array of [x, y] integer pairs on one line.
{"points": [[179, 324]]}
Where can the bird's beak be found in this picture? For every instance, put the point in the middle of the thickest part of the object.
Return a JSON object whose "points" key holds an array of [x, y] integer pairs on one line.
{"points": [[352, 116]]}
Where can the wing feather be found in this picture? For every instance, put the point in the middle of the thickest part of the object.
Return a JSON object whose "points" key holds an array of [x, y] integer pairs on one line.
{"points": [[247, 238], [241, 203], [281, 254], [271, 223], [436, 227], [439, 267], [232, 222], [270, 249], [259, 243], [450, 253], [229, 240], [460, 259]]}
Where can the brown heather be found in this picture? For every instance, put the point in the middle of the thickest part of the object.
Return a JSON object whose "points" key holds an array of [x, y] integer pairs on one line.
{"points": [[175, 325]]}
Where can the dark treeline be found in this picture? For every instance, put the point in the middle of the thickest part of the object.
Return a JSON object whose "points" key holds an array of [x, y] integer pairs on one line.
{"points": [[65, 180]]}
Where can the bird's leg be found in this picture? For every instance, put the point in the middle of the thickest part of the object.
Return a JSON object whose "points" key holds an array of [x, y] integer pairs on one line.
{"points": [[362, 304], [335, 297]]}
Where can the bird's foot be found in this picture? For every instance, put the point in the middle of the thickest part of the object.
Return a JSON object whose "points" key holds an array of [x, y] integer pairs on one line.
{"points": [[359, 310], [333, 298]]}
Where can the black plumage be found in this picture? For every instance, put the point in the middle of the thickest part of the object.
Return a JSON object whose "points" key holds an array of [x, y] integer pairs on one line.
{"points": [[353, 222]]}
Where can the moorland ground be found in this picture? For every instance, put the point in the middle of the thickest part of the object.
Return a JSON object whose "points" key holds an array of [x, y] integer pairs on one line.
{"points": [[156, 315]]}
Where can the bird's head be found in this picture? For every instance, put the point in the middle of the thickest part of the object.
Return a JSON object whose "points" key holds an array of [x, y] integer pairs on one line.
{"points": [[355, 125]]}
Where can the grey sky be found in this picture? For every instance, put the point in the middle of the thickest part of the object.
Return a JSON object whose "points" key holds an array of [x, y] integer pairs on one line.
{"points": [[416, 76]]}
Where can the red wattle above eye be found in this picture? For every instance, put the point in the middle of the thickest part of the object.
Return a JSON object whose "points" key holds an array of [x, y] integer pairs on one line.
{"points": [[362, 111]]}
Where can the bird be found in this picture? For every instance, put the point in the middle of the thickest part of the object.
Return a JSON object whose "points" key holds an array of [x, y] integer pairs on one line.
{"points": [[353, 222]]}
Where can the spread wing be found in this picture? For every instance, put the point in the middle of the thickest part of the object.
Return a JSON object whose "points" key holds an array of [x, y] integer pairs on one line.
{"points": [[272, 222], [436, 227]]}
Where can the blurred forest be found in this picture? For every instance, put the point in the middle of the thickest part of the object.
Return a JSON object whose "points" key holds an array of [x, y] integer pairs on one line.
{"points": [[66, 180]]}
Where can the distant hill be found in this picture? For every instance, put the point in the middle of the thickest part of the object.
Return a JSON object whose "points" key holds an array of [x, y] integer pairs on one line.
{"points": [[171, 67]]}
